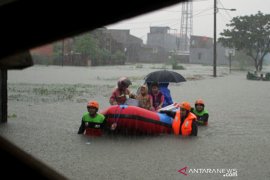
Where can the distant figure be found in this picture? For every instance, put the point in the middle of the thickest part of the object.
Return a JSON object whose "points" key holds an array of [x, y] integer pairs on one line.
{"points": [[92, 122], [144, 98], [157, 98], [201, 113], [261, 77], [163, 87], [184, 122], [121, 93]]}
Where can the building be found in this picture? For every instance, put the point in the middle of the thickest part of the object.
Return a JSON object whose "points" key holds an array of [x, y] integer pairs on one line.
{"points": [[201, 51], [160, 37], [149, 54], [160, 43], [46, 50], [131, 44]]}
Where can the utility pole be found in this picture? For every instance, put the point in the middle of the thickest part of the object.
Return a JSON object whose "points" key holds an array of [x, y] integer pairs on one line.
{"points": [[215, 41], [230, 61], [231, 52], [63, 51], [3, 94], [215, 37]]}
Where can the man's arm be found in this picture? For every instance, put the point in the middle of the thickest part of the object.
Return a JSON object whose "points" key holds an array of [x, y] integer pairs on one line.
{"points": [[194, 131], [113, 98], [169, 113], [162, 101], [82, 128]]}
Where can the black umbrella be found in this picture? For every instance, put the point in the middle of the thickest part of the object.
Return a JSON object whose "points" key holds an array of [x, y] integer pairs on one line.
{"points": [[164, 76]]}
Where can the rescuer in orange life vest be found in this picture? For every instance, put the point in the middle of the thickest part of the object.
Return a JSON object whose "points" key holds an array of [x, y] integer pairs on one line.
{"points": [[184, 122]]}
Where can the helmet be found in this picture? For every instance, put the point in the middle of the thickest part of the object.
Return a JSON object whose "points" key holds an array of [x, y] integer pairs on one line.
{"points": [[93, 104], [185, 105], [123, 82], [199, 101]]}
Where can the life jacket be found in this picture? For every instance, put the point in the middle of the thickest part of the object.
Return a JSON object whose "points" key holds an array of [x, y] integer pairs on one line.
{"points": [[186, 127], [95, 124], [200, 114]]}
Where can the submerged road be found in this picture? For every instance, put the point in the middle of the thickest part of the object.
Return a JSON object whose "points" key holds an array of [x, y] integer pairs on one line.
{"points": [[236, 142]]}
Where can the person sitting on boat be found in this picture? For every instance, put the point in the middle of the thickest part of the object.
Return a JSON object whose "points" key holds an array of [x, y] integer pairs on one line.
{"points": [[92, 122], [200, 112], [144, 98], [163, 87], [157, 98], [184, 122], [121, 93]]}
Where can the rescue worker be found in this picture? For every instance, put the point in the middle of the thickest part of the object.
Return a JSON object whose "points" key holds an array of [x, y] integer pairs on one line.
{"points": [[184, 121], [201, 114], [92, 122]]}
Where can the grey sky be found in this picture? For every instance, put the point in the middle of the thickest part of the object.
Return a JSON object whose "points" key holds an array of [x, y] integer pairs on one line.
{"points": [[202, 16]]}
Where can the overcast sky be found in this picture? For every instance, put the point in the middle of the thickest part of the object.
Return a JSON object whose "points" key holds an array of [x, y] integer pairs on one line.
{"points": [[202, 17]]}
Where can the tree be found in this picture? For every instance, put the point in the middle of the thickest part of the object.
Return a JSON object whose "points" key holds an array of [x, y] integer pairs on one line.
{"points": [[86, 44], [250, 34], [118, 57]]}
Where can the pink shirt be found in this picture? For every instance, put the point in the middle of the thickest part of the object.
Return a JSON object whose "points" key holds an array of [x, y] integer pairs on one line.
{"points": [[118, 96]]}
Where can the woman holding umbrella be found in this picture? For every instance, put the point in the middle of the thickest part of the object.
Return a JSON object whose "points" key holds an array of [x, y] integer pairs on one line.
{"points": [[164, 77]]}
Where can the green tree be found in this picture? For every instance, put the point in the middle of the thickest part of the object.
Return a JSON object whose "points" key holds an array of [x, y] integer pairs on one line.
{"points": [[57, 49], [87, 45], [250, 34], [118, 57], [93, 45]]}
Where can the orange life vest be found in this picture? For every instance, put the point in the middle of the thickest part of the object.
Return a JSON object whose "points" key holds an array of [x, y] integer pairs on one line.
{"points": [[186, 128]]}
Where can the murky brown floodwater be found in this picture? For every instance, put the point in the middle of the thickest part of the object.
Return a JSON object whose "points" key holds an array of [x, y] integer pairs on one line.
{"points": [[46, 104]]}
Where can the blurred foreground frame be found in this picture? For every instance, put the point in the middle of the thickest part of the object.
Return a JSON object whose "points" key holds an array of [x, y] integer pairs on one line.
{"points": [[17, 163], [12, 157], [16, 40], [18, 61]]}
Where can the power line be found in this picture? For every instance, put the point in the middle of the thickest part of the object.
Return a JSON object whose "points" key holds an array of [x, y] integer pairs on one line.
{"points": [[169, 19], [204, 15], [179, 11], [202, 11], [225, 8]]}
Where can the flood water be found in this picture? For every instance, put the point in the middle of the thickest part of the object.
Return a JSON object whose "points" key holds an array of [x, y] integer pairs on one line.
{"points": [[46, 103]]}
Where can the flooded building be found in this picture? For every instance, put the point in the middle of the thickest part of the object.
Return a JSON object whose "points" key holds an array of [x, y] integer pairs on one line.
{"points": [[201, 51], [160, 37], [160, 42], [131, 44]]}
